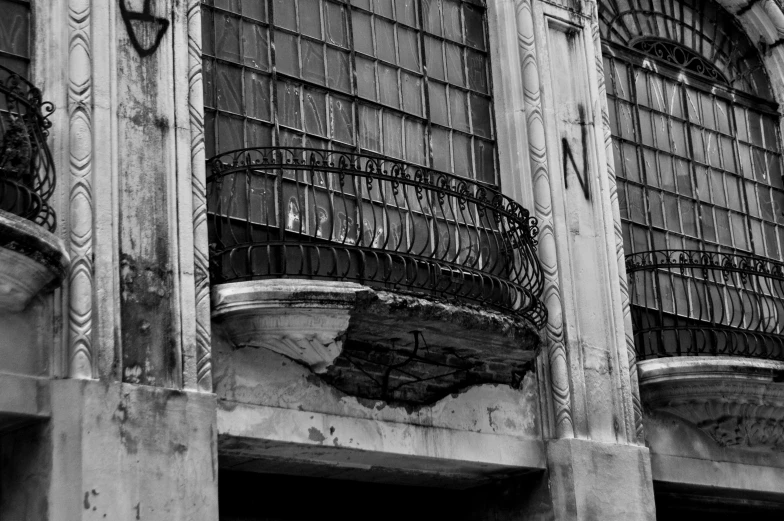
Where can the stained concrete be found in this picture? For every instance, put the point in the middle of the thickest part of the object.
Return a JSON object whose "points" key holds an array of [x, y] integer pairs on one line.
{"points": [[129, 452], [592, 481]]}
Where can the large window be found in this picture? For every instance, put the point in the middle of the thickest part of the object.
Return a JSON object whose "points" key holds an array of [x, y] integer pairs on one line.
{"points": [[695, 132], [406, 79], [696, 146]]}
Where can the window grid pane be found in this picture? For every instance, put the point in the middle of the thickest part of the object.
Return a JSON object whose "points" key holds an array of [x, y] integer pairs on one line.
{"points": [[694, 169], [308, 72]]}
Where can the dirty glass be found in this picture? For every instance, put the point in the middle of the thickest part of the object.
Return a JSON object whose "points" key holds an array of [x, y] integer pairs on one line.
{"points": [[693, 162], [407, 79]]}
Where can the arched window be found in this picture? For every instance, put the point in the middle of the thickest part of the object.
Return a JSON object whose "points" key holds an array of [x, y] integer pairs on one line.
{"points": [[697, 155], [695, 130]]}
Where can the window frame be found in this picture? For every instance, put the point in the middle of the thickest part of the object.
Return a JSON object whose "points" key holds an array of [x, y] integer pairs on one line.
{"points": [[275, 77]]}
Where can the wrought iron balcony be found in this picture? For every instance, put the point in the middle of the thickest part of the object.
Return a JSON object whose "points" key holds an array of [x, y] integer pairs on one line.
{"points": [[317, 214], [27, 176], [688, 303]]}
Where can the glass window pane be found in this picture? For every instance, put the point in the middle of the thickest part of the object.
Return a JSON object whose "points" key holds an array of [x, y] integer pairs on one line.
{"points": [[461, 145], [387, 86], [257, 95], [366, 78], [477, 71], [412, 93], [284, 14], [484, 158], [310, 18], [432, 16], [452, 26], [474, 26], [454, 64], [393, 134], [313, 62], [256, 9], [415, 141], [337, 29], [288, 95], [363, 35], [255, 46], [441, 152], [315, 110], [14, 29], [229, 88], [408, 43], [286, 55], [339, 70], [341, 110], [458, 109], [435, 59], [438, 107], [406, 12], [481, 117], [227, 37], [383, 7], [369, 131], [385, 40]]}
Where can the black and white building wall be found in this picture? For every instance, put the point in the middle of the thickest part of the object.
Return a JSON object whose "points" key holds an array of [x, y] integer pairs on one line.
{"points": [[394, 259]]}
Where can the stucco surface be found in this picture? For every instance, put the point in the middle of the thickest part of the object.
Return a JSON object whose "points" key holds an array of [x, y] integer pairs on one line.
{"points": [[260, 377]]}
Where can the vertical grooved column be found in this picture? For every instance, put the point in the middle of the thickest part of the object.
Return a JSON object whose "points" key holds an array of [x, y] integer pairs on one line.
{"points": [[556, 350], [618, 233], [80, 196], [201, 255]]}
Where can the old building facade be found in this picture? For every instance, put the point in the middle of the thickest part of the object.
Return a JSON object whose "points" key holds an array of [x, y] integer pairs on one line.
{"points": [[483, 259]]}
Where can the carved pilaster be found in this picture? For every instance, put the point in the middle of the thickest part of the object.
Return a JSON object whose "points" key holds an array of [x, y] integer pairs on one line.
{"points": [[618, 232], [80, 316], [556, 350], [201, 255]]}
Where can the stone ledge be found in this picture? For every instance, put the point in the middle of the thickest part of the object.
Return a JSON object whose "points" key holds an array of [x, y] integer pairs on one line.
{"points": [[32, 261], [23, 399], [739, 403]]}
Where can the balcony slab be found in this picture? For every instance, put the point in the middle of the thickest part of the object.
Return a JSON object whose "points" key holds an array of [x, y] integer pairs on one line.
{"points": [[309, 321], [32, 260], [737, 402]]}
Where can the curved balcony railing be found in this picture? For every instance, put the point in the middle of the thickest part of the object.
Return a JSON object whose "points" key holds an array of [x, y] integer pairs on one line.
{"points": [[291, 212], [27, 176], [706, 303]]}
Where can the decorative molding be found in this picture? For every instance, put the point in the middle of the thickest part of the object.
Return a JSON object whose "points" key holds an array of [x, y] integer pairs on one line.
{"points": [[199, 190], [302, 319], [737, 402], [80, 315], [32, 260], [618, 236], [551, 296]]}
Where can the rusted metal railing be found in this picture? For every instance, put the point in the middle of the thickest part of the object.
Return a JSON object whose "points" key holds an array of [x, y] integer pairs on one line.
{"points": [[706, 303], [27, 176], [292, 212]]}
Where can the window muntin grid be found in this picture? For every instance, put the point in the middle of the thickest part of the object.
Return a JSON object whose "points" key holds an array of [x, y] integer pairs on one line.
{"points": [[407, 79], [15, 30], [696, 169]]}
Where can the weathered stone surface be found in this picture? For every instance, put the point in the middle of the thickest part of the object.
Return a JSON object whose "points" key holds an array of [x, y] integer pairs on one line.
{"points": [[32, 260], [262, 377], [253, 436], [309, 321], [591, 481], [304, 320], [737, 402], [129, 452]]}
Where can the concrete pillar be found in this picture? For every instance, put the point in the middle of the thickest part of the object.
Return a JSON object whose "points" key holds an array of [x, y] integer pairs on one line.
{"points": [[596, 466], [130, 452]]}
